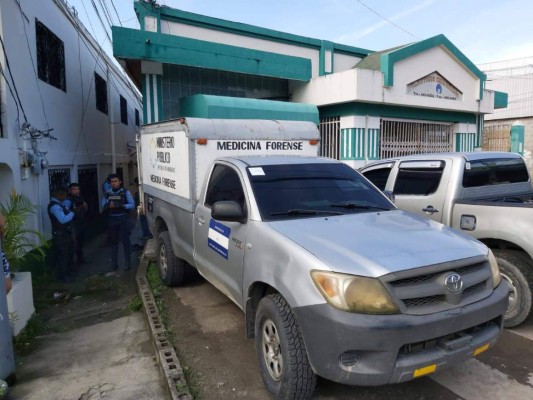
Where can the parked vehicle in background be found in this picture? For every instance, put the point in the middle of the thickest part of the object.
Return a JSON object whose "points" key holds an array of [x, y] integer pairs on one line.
{"points": [[487, 195], [331, 276]]}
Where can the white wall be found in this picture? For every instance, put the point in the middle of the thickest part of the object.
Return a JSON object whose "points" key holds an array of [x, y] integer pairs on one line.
{"points": [[367, 85], [82, 132], [193, 32]]}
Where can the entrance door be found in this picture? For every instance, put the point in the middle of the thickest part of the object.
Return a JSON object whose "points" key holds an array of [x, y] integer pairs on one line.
{"points": [[88, 181], [220, 245]]}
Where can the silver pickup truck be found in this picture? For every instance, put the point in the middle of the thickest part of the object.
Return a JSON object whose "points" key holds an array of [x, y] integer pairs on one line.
{"points": [[487, 195], [333, 279]]}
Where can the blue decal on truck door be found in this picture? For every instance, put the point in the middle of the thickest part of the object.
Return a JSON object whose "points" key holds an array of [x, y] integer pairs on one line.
{"points": [[218, 238]]}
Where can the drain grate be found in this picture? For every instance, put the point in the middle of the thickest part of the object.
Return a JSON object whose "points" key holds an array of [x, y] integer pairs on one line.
{"points": [[166, 356]]}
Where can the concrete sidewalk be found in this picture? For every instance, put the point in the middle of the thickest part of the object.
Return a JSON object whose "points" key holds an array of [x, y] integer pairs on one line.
{"points": [[99, 348]]}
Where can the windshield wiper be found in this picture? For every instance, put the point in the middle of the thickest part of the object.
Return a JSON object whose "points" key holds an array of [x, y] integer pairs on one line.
{"points": [[352, 205], [303, 211]]}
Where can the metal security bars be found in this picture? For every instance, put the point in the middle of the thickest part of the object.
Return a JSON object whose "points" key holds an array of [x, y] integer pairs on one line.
{"points": [[401, 138], [329, 137], [496, 136], [58, 178]]}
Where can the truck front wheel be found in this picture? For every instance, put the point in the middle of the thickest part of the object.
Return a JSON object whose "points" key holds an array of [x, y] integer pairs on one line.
{"points": [[171, 268], [281, 352], [517, 270]]}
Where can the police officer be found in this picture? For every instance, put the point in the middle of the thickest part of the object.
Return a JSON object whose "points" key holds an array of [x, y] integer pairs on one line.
{"points": [[78, 206], [62, 240], [117, 204]]}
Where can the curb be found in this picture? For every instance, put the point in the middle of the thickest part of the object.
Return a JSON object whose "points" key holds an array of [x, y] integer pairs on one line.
{"points": [[166, 356]]}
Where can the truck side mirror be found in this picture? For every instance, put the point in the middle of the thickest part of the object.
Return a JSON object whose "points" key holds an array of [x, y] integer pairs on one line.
{"points": [[390, 195], [228, 211]]}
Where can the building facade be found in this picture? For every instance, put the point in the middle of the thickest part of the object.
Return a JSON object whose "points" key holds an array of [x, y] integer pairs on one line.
{"points": [[422, 97], [67, 112], [511, 128]]}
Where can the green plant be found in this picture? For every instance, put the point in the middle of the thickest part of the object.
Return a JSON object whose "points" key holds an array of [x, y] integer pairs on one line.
{"points": [[135, 304], [18, 240], [35, 327]]}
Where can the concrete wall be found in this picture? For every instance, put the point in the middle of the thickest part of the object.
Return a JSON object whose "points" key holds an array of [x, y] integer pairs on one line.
{"points": [[367, 85]]}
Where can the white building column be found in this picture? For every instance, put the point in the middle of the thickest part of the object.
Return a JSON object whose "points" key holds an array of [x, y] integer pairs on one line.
{"points": [[152, 73], [359, 140], [464, 136]]}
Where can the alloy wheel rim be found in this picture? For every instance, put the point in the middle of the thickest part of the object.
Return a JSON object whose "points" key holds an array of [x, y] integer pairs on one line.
{"points": [[513, 293], [272, 350], [163, 260]]}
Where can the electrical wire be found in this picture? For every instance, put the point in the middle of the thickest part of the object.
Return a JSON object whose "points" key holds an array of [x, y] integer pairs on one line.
{"points": [[116, 12], [101, 21], [12, 94], [12, 80], [106, 12], [388, 20], [34, 70]]}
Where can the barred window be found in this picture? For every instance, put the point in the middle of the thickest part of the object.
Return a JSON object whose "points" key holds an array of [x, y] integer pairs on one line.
{"points": [[58, 178], [123, 110], [50, 57], [100, 86], [137, 118]]}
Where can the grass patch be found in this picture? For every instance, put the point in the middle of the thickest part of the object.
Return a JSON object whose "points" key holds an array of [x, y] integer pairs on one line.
{"points": [[158, 288], [35, 327], [135, 304]]}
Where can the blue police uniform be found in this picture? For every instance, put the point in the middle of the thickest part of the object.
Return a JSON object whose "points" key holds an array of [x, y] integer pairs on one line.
{"points": [[118, 223], [75, 204], [62, 240]]}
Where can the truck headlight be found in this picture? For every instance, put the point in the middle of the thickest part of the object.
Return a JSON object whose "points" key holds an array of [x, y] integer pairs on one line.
{"points": [[496, 277], [355, 294]]}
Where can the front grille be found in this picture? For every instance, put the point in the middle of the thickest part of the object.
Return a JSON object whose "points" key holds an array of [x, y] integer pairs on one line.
{"points": [[422, 301], [423, 290], [419, 347]]}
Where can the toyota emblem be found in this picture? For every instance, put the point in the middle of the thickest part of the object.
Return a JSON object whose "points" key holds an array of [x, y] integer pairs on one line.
{"points": [[454, 283]]}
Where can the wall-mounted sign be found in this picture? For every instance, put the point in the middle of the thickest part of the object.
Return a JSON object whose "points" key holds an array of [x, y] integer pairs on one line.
{"points": [[436, 86]]}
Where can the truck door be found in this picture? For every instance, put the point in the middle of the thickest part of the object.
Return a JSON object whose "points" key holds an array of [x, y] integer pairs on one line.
{"points": [[420, 187], [219, 245]]}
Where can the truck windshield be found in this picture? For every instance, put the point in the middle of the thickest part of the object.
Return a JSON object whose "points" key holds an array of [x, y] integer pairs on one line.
{"points": [[313, 190], [494, 172]]}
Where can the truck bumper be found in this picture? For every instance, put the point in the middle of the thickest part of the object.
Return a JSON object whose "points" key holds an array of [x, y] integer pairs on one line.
{"points": [[358, 349]]}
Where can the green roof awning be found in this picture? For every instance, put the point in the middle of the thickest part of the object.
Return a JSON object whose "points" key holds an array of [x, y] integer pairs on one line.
{"points": [[207, 106]]}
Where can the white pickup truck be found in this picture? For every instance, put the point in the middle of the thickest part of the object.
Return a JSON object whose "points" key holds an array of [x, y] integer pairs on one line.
{"points": [[333, 279], [487, 195]]}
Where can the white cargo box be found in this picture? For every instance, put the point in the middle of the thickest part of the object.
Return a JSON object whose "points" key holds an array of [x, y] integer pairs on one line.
{"points": [[175, 155]]}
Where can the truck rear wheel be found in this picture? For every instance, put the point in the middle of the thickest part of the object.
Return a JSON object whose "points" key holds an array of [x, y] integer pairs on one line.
{"points": [[171, 268], [517, 270], [281, 352]]}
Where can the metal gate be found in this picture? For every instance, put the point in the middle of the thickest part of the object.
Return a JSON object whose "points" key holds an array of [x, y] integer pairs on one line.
{"points": [[330, 129], [402, 138], [496, 136]]}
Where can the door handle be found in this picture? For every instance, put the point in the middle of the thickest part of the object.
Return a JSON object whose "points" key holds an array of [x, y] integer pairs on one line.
{"points": [[430, 210], [200, 220]]}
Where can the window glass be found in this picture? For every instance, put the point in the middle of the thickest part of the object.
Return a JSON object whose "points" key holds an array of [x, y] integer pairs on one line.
{"points": [[378, 177], [224, 184], [418, 181], [100, 86], [123, 110], [50, 57], [494, 172], [310, 190]]}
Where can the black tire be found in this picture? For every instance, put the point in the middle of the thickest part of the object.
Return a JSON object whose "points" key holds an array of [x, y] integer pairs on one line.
{"points": [[517, 270], [171, 269], [281, 352]]}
